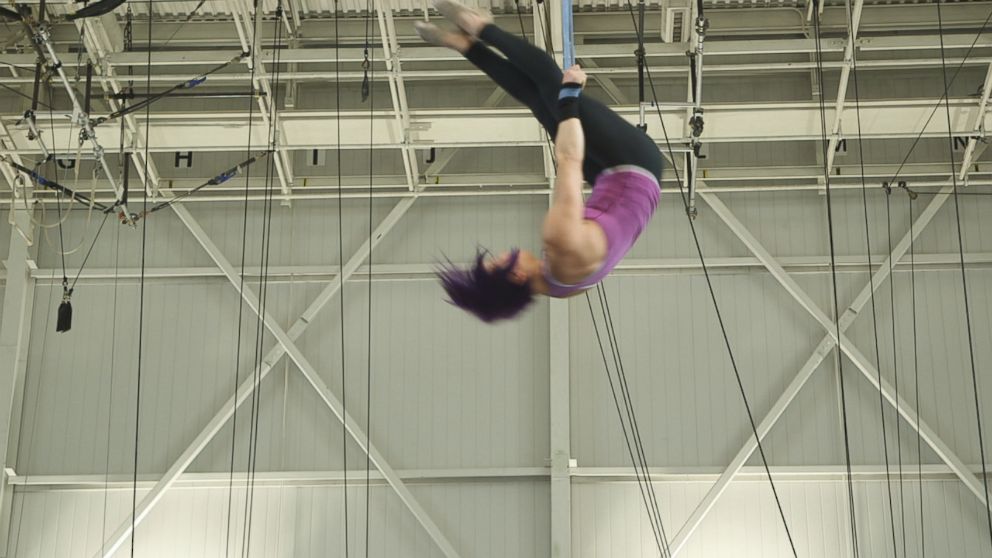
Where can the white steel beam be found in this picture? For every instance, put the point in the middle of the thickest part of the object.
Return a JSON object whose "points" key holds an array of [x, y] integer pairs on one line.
{"points": [[782, 122], [845, 75], [15, 333], [560, 416], [441, 161], [979, 132], [397, 92], [630, 266], [588, 475], [600, 52], [822, 350], [150, 500]]}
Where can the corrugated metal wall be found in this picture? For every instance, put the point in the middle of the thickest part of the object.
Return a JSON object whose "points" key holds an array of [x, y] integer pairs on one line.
{"points": [[451, 394]]}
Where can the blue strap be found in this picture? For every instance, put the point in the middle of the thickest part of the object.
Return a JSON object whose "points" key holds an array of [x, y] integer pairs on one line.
{"points": [[569, 91]]}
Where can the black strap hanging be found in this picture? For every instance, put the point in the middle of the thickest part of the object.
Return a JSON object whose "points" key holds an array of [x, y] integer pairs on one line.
{"points": [[64, 322]]}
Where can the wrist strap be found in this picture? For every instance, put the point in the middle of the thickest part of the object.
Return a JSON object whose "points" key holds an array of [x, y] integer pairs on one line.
{"points": [[568, 101]]}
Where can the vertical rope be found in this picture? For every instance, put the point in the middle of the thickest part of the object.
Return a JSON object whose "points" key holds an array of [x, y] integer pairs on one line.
{"points": [[265, 253], [141, 295], [241, 285], [344, 385], [895, 374], [871, 283], [370, 68], [916, 370], [833, 276]]}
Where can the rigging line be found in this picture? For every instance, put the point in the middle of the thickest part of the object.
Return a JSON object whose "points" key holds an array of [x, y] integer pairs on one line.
{"points": [[943, 97], [916, 369], [623, 425], [964, 276], [713, 299], [631, 415], [141, 295], [58, 199], [370, 56], [264, 269], [183, 24], [344, 385], [241, 302], [215, 181], [833, 276], [88, 252], [22, 94], [874, 308], [59, 188], [895, 373], [187, 84], [110, 406], [653, 509]]}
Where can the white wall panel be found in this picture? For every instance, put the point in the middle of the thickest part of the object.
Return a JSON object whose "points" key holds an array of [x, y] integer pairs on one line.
{"points": [[682, 384], [168, 242], [81, 385], [482, 520], [946, 392], [437, 227], [448, 391], [609, 520]]}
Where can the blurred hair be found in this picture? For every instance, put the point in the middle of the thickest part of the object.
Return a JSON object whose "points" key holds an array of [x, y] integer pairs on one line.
{"points": [[489, 294]]}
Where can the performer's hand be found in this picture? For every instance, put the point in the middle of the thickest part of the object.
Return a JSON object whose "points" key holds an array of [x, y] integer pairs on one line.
{"points": [[575, 75]]}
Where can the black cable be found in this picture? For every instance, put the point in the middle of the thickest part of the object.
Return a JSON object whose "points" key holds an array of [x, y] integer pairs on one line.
{"points": [[370, 56], [344, 385], [716, 307], [895, 375], [215, 181], [964, 276], [653, 509], [623, 428], [88, 252], [189, 17], [149, 99], [58, 199], [241, 300], [833, 275], [141, 295], [266, 250], [871, 285], [916, 370], [113, 368], [22, 94]]}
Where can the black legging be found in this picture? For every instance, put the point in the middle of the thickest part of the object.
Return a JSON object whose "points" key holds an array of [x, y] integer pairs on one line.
{"points": [[532, 77]]}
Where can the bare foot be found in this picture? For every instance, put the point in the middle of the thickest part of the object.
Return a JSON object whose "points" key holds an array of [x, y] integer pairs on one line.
{"points": [[467, 19], [437, 36]]}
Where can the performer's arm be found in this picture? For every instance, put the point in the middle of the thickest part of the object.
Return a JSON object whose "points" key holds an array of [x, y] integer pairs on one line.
{"points": [[563, 224]]}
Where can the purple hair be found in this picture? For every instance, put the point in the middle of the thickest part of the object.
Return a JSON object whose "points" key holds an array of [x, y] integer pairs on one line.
{"points": [[489, 295]]}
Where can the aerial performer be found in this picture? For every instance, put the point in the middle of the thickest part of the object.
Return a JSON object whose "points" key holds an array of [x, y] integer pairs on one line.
{"points": [[582, 241]]}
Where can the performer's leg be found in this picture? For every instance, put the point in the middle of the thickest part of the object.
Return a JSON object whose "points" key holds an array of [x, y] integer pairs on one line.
{"points": [[612, 141]]}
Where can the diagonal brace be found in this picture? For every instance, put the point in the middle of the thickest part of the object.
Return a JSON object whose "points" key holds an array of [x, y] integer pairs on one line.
{"points": [[819, 354], [211, 429]]}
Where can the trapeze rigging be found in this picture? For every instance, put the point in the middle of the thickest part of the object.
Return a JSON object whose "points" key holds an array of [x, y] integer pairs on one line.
{"points": [[50, 67]]}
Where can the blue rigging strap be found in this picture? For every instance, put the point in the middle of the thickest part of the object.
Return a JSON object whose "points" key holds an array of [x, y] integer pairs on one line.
{"points": [[568, 44]]}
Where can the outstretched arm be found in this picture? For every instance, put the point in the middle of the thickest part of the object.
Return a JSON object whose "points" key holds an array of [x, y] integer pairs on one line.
{"points": [[563, 224]]}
